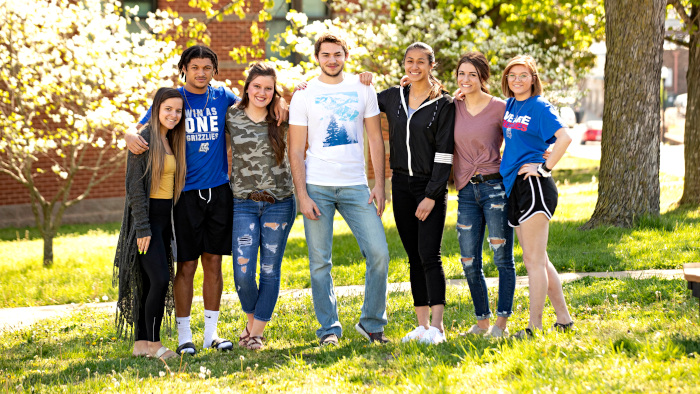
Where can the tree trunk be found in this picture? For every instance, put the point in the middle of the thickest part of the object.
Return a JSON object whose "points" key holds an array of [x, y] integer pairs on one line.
{"points": [[629, 164], [691, 184], [48, 248]]}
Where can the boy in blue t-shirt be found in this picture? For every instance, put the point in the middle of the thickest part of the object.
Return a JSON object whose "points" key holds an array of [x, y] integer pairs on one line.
{"points": [[203, 215]]}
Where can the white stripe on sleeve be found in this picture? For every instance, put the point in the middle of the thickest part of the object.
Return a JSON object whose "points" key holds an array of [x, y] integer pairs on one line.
{"points": [[444, 158]]}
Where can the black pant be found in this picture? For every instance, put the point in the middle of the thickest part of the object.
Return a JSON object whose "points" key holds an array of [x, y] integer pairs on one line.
{"points": [[155, 272], [421, 239]]}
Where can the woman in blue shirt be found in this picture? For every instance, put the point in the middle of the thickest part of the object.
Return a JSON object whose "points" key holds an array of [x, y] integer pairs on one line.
{"points": [[530, 125]]}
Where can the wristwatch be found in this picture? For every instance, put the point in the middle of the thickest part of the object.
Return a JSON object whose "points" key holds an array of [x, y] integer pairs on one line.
{"points": [[544, 171]]}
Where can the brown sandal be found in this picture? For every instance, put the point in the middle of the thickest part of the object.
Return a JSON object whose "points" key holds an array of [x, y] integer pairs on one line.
{"points": [[243, 338], [255, 343]]}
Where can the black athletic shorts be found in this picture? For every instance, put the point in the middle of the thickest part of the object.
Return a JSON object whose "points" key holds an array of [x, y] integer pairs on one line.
{"points": [[531, 196], [203, 221]]}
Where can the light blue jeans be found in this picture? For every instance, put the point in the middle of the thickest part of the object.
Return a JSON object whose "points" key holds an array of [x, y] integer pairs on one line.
{"points": [[480, 205], [366, 226], [265, 227]]}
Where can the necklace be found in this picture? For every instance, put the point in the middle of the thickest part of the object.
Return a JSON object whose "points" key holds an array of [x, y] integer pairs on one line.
{"points": [[420, 95], [188, 103], [508, 130]]}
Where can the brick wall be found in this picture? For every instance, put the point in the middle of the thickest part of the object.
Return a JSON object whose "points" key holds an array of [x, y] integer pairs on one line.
{"points": [[14, 198], [677, 61]]}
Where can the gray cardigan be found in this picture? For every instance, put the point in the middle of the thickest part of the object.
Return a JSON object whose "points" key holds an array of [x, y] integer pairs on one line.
{"points": [[135, 224]]}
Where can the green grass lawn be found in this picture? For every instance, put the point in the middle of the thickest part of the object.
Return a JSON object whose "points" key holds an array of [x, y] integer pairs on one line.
{"points": [[632, 336], [82, 271]]}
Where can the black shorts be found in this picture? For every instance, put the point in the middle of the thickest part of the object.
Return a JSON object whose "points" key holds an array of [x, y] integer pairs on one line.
{"points": [[531, 196], [203, 221]]}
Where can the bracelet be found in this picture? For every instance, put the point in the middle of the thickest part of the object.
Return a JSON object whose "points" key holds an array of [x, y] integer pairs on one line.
{"points": [[544, 166], [543, 173]]}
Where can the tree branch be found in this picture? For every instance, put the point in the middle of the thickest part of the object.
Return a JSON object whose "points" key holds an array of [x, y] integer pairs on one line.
{"points": [[677, 41], [676, 4]]}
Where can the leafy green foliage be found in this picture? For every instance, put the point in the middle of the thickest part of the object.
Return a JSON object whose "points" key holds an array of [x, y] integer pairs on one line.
{"points": [[556, 33]]}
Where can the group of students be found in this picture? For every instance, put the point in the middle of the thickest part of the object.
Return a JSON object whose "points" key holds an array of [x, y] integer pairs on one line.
{"points": [[177, 170]]}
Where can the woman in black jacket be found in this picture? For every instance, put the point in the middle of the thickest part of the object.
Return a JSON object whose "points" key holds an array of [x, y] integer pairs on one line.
{"points": [[421, 123]]}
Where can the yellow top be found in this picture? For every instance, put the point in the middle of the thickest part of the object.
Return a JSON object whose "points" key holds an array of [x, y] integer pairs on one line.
{"points": [[167, 181]]}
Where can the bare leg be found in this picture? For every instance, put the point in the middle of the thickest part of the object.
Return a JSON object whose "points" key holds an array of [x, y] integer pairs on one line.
{"points": [[257, 328], [533, 235], [483, 323], [213, 283], [502, 322], [183, 287], [438, 312], [153, 347], [423, 316], [140, 348], [556, 295]]}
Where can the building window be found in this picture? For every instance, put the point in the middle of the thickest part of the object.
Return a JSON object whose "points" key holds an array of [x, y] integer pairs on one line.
{"points": [[145, 6], [316, 10]]}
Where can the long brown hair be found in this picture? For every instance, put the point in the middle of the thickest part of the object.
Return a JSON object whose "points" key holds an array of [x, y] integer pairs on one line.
{"points": [[478, 60], [177, 138], [437, 88], [275, 134]]}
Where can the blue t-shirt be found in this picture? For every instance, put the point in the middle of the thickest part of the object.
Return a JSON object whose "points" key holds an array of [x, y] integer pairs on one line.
{"points": [[205, 122], [528, 130]]}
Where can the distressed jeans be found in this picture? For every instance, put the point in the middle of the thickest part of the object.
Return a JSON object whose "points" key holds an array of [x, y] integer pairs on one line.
{"points": [[366, 226], [264, 226], [480, 205]]}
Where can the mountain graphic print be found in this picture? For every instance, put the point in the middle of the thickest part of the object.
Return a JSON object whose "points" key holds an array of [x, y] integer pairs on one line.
{"points": [[340, 112]]}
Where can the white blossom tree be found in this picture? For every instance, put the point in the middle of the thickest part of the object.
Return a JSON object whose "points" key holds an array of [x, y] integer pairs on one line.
{"points": [[70, 74]]}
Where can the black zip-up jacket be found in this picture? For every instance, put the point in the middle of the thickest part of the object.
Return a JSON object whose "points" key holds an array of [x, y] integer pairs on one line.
{"points": [[426, 151]]}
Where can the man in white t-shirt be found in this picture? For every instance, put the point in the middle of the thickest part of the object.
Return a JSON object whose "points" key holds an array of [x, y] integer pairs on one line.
{"points": [[330, 114]]}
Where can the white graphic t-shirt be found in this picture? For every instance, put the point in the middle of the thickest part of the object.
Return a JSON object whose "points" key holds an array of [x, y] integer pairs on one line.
{"points": [[334, 115]]}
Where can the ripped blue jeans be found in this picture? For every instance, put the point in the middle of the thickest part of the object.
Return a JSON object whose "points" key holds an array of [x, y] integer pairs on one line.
{"points": [[480, 205], [265, 227]]}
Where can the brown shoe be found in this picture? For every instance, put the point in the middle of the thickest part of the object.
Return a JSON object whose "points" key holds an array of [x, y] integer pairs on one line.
{"points": [[255, 343]]}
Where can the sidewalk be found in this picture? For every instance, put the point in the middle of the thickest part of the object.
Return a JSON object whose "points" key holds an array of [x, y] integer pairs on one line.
{"points": [[17, 318]]}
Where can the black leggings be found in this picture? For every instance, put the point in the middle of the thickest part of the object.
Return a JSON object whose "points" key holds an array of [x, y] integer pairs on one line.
{"points": [[155, 272], [421, 239]]}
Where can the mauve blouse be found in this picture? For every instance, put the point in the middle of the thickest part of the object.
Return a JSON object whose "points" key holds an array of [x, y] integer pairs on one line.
{"points": [[478, 141]]}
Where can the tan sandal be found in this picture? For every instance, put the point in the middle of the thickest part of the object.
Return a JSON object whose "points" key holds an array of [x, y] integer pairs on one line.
{"points": [[243, 338], [255, 343], [161, 353]]}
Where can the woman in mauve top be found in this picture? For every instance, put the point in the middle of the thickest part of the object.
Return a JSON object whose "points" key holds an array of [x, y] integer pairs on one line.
{"points": [[482, 198]]}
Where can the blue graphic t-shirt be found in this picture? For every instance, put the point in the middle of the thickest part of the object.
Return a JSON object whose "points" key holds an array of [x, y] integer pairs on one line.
{"points": [[528, 130], [334, 115], [205, 121]]}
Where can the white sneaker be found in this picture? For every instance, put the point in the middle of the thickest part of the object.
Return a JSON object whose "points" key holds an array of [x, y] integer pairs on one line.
{"points": [[417, 333], [433, 336], [496, 332]]}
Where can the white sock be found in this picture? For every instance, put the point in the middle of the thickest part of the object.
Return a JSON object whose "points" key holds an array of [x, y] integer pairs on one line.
{"points": [[211, 318], [184, 333]]}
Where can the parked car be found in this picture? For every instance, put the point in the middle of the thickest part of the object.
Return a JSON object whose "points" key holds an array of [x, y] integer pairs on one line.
{"points": [[681, 102], [594, 131]]}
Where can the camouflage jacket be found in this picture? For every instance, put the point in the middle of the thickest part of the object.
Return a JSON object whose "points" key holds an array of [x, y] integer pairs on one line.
{"points": [[254, 166]]}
